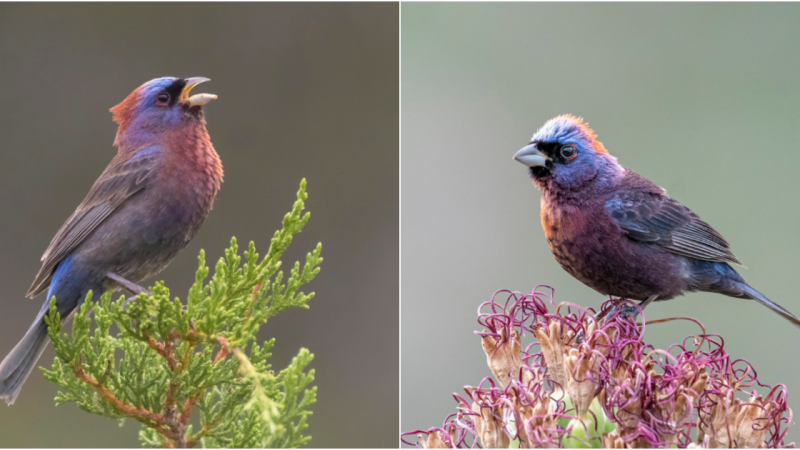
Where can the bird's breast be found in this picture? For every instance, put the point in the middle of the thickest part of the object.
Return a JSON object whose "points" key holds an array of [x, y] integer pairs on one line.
{"points": [[577, 238], [183, 204], [192, 177], [592, 249], [561, 223]]}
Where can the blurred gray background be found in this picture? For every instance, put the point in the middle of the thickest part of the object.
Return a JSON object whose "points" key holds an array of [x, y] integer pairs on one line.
{"points": [[700, 98], [305, 90]]}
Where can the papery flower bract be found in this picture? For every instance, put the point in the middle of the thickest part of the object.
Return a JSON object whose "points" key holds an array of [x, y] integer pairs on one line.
{"points": [[594, 382], [580, 388], [554, 347], [503, 354], [490, 426]]}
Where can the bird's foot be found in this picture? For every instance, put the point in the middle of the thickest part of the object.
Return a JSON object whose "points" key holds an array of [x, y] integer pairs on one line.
{"points": [[579, 335], [625, 310], [130, 299], [130, 286]]}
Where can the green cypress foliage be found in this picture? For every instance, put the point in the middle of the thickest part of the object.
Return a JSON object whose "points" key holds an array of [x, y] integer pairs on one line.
{"points": [[192, 372]]}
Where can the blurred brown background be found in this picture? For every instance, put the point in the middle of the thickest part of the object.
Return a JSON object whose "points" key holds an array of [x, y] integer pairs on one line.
{"points": [[305, 90]]}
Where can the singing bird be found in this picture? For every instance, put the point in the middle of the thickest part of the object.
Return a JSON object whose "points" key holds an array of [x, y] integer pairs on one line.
{"points": [[618, 232], [146, 206]]}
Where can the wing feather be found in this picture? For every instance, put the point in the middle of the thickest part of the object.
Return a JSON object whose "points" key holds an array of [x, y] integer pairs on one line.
{"points": [[655, 218], [124, 177]]}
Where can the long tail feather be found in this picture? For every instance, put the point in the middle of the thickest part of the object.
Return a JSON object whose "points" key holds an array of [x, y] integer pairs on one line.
{"points": [[751, 293], [17, 366]]}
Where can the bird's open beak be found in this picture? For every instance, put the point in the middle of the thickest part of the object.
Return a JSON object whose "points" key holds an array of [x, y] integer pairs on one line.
{"points": [[531, 156], [197, 99]]}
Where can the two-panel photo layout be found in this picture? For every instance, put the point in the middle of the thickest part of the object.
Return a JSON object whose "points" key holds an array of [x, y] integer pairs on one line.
{"points": [[399, 224]]}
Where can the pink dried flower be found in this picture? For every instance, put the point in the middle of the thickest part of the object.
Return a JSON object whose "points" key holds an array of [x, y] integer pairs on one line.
{"points": [[580, 387], [648, 398], [503, 354], [489, 424], [555, 342]]}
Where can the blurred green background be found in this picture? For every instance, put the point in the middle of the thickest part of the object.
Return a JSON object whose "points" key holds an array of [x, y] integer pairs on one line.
{"points": [[305, 90], [700, 98]]}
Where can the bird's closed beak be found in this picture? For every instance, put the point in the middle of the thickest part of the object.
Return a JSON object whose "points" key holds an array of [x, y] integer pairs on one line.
{"points": [[197, 99], [531, 156]]}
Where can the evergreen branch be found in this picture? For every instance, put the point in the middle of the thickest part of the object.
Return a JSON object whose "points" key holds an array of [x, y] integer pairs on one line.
{"points": [[179, 358], [142, 415]]}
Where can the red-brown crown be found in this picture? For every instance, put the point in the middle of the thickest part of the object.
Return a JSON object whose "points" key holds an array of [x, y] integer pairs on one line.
{"points": [[122, 113], [584, 129]]}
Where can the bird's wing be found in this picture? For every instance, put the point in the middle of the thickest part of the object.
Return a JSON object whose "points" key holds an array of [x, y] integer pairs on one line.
{"points": [[655, 218], [124, 177]]}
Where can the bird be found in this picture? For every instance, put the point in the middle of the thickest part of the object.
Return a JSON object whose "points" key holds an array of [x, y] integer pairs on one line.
{"points": [[145, 207], [618, 232]]}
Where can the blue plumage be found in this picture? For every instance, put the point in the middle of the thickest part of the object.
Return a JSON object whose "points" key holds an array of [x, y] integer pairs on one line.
{"points": [[146, 152], [60, 278]]}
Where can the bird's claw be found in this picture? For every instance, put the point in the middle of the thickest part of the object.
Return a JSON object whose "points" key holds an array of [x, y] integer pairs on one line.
{"points": [[130, 299], [626, 310], [579, 335]]}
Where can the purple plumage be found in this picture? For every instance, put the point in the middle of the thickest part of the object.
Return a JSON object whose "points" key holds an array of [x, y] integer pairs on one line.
{"points": [[146, 206], [618, 232]]}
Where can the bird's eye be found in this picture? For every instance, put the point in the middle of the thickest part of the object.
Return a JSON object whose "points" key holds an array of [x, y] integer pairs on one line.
{"points": [[568, 152], [163, 98]]}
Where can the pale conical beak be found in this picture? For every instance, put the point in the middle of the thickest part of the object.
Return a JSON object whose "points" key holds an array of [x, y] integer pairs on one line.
{"points": [[531, 156], [197, 99]]}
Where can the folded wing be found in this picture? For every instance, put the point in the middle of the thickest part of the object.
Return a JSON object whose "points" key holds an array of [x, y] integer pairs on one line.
{"points": [[124, 177], [657, 219]]}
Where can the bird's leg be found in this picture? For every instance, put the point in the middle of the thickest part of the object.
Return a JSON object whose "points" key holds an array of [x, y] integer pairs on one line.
{"points": [[127, 300], [610, 311], [625, 311], [631, 311], [133, 288], [579, 336], [647, 301]]}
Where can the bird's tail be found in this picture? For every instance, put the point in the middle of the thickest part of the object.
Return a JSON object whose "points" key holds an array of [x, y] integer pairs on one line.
{"points": [[750, 292], [16, 367]]}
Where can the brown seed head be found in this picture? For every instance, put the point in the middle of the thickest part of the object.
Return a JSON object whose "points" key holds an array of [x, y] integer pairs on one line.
{"points": [[580, 388], [504, 356], [434, 440], [554, 348], [489, 425]]}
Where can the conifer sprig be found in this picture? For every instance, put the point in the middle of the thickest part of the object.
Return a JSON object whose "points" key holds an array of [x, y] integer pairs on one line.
{"points": [[164, 359]]}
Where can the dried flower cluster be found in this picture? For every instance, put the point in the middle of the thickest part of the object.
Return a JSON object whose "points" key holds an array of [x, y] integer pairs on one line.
{"points": [[589, 380]]}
